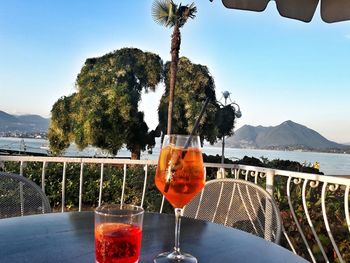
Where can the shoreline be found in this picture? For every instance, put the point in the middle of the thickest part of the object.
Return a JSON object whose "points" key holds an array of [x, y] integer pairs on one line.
{"points": [[330, 163]]}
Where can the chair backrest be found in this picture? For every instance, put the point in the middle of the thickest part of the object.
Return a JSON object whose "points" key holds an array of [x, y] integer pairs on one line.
{"points": [[20, 196], [239, 204]]}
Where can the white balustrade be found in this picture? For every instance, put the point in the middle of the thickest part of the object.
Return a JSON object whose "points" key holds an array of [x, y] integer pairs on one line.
{"points": [[271, 179]]}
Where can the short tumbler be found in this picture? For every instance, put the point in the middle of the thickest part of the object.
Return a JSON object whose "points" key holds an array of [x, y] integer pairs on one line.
{"points": [[118, 233]]}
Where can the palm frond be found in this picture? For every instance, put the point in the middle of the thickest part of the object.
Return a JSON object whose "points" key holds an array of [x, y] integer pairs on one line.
{"points": [[164, 12], [193, 10], [185, 12]]}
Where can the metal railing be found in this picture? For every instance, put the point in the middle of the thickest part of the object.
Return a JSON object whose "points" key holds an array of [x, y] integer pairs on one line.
{"points": [[308, 202]]}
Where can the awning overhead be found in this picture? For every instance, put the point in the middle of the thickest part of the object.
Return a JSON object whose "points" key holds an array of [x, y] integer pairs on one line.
{"points": [[331, 10]]}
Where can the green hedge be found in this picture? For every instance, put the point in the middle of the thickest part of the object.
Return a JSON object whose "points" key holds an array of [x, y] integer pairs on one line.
{"points": [[112, 184]]}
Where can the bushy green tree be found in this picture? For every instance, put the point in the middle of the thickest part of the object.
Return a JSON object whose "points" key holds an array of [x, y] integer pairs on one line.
{"points": [[225, 120], [194, 84], [61, 125], [104, 110]]}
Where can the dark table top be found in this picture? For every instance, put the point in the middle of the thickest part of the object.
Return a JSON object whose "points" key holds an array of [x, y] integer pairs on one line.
{"points": [[69, 237]]}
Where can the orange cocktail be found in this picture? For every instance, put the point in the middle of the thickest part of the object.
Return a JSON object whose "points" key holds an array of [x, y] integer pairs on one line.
{"points": [[179, 177], [180, 174]]}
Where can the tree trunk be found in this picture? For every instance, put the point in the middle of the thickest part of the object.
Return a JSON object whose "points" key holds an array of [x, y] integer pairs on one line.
{"points": [[175, 48], [136, 154]]}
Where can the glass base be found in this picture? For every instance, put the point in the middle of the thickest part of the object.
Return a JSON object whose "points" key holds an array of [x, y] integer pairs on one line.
{"points": [[175, 257]]}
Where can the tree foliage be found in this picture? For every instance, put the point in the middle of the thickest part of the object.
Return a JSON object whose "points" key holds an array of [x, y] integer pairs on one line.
{"points": [[61, 125], [104, 110], [194, 84], [225, 120]]}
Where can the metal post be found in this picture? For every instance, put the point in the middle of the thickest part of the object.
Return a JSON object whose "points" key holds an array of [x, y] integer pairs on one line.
{"points": [[237, 114], [63, 186], [101, 186], [269, 181], [21, 168], [123, 189], [43, 177], [268, 206], [223, 150], [223, 138], [144, 185], [81, 185], [21, 197], [43, 182]]}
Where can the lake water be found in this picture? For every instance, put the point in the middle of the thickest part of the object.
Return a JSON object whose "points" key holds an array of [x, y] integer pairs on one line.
{"points": [[330, 163]]}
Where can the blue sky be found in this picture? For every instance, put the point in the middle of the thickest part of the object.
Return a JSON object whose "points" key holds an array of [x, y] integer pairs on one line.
{"points": [[276, 68]]}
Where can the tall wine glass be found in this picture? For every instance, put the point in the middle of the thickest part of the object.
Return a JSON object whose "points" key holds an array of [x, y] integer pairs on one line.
{"points": [[179, 177]]}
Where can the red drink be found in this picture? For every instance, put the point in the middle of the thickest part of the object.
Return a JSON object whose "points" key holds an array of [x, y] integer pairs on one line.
{"points": [[117, 243]]}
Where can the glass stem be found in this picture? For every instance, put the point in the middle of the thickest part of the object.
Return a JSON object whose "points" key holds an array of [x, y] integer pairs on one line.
{"points": [[178, 214]]}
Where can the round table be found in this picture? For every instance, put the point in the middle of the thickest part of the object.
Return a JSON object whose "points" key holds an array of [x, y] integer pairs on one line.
{"points": [[69, 237]]}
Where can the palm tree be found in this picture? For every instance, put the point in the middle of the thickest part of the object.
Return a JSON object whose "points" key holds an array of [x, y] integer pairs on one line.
{"points": [[169, 14]]}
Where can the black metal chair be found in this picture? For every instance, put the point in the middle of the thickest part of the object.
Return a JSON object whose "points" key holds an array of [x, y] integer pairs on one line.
{"points": [[19, 196], [239, 204]]}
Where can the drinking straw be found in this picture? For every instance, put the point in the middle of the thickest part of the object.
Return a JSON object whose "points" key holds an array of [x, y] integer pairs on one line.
{"points": [[196, 124], [187, 143]]}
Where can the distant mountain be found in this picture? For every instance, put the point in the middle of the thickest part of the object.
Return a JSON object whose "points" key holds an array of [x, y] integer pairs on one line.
{"points": [[22, 123], [5, 117], [286, 136]]}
